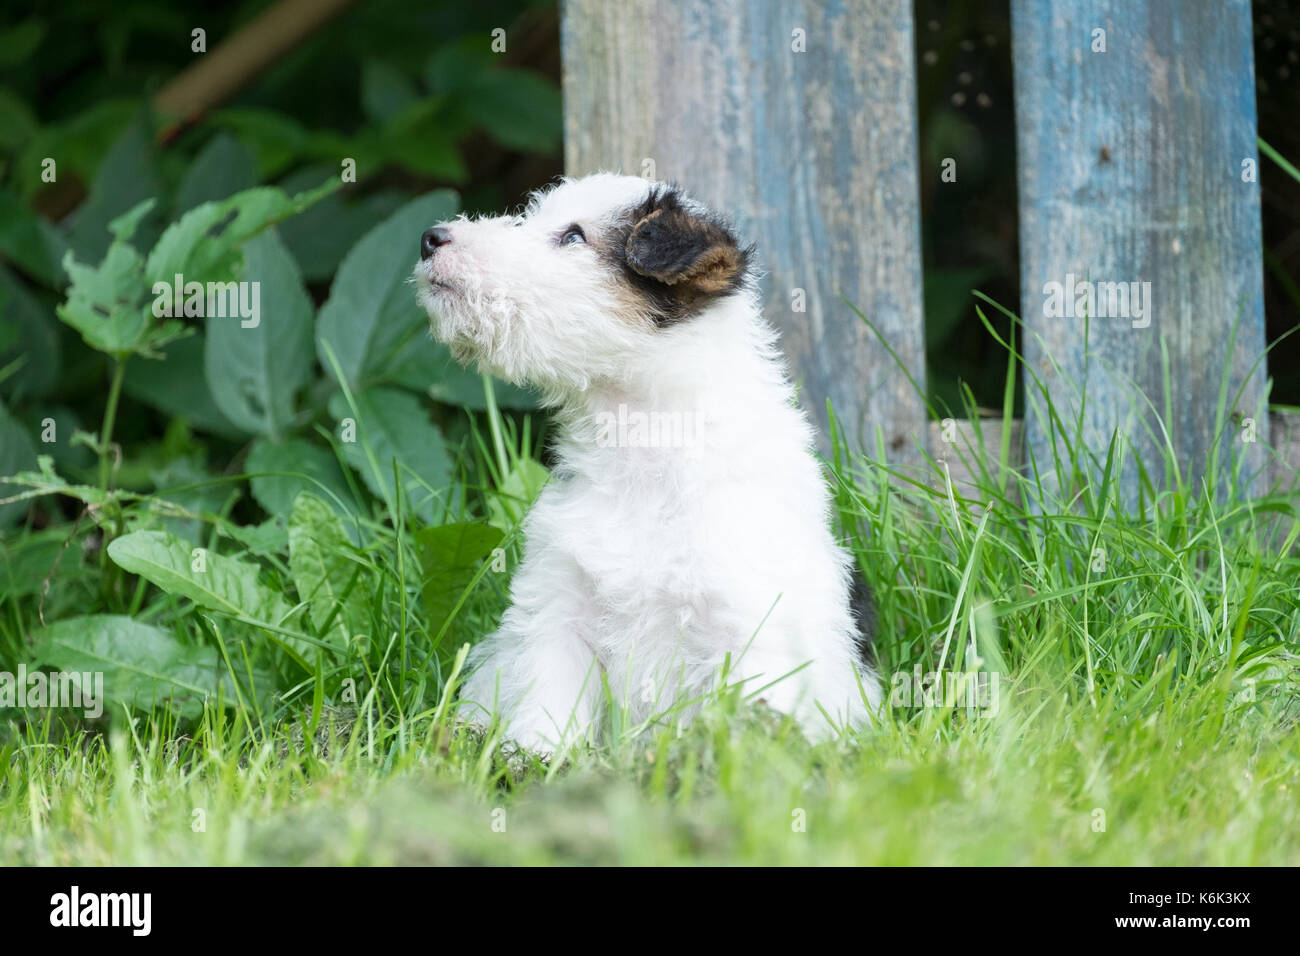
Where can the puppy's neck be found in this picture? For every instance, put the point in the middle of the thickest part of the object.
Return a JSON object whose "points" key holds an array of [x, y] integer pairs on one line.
{"points": [[714, 381]]}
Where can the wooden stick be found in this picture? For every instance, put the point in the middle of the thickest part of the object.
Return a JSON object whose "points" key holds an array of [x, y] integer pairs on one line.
{"points": [[216, 76]]}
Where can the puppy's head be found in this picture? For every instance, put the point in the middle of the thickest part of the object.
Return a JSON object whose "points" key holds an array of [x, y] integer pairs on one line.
{"points": [[572, 291]]}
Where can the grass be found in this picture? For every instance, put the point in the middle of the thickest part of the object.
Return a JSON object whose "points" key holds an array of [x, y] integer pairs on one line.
{"points": [[1026, 788], [1145, 656]]}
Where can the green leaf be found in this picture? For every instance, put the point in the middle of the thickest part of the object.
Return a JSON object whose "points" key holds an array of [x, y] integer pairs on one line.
{"points": [[143, 666], [34, 557], [522, 484], [275, 138], [27, 333], [519, 108], [17, 455], [392, 425], [426, 365], [364, 148], [44, 481], [421, 139], [254, 373], [30, 242], [372, 310], [282, 471], [385, 91], [457, 66], [177, 385], [450, 556], [127, 177], [104, 302], [320, 237], [271, 537], [333, 585], [222, 168], [123, 226], [183, 482], [210, 580], [203, 245]]}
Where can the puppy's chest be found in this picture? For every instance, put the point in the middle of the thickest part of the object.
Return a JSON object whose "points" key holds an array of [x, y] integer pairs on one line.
{"points": [[636, 533]]}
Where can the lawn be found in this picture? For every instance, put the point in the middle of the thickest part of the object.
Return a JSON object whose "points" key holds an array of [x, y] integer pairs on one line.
{"points": [[1141, 659]]}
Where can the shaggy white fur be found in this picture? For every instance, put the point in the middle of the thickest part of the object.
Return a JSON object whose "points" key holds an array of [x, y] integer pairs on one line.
{"points": [[685, 533]]}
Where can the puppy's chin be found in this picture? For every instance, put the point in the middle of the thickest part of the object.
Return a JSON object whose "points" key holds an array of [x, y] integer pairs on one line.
{"points": [[434, 298], [447, 330], [469, 353], [446, 320]]}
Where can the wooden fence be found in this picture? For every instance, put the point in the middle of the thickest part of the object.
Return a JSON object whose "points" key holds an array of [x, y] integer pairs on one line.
{"points": [[1137, 147]]}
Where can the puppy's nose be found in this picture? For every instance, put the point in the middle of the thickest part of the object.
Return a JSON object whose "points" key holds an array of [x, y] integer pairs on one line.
{"points": [[432, 239]]}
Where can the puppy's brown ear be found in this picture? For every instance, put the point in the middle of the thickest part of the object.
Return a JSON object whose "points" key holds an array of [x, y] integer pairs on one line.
{"points": [[685, 249]]}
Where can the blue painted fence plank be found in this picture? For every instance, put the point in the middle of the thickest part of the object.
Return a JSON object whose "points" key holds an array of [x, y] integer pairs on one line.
{"points": [[1136, 137]]}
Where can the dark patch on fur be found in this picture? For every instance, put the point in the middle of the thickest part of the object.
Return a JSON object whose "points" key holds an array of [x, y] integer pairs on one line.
{"points": [[679, 260], [863, 606]]}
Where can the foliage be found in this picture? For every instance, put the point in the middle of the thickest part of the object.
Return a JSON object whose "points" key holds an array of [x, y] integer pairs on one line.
{"points": [[191, 496], [292, 595]]}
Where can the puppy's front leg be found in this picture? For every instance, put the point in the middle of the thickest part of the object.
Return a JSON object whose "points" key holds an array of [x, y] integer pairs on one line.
{"points": [[537, 672]]}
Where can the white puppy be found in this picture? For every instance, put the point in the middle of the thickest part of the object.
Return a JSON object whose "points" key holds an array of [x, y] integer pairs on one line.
{"points": [[684, 537]]}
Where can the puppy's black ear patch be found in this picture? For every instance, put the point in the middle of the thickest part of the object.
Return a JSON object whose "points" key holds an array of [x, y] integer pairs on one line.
{"points": [[678, 255], [678, 248]]}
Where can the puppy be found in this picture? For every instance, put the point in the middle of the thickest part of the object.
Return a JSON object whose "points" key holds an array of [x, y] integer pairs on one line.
{"points": [[684, 539]]}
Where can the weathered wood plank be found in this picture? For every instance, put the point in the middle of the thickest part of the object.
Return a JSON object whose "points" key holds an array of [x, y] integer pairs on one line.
{"points": [[1131, 170], [812, 154]]}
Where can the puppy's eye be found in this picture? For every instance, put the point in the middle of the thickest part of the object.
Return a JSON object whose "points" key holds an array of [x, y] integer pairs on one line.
{"points": [[572, 236]]}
